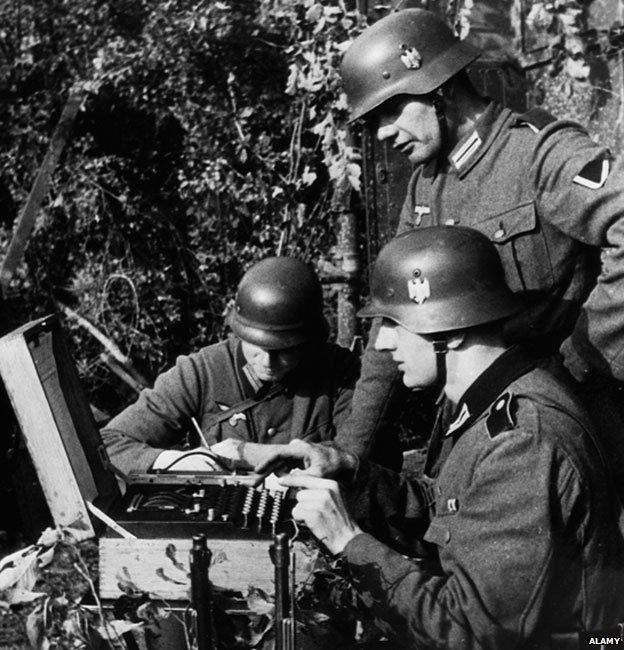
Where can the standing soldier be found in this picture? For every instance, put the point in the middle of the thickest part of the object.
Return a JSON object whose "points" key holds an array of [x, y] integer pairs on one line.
{"points": [[548, 198], [516, 501], [275, 379]]}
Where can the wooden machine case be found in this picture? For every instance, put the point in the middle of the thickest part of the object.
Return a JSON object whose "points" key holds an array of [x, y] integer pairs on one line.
{"points": [[156, 515]]}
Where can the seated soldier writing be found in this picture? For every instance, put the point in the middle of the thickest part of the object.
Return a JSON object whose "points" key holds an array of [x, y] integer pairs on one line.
{"points": [[515, 521], [276, 378]]}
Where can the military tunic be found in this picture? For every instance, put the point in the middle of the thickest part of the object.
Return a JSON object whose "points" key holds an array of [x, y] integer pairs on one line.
{"points": [[519, 508], [550, 199], [312, 403]]}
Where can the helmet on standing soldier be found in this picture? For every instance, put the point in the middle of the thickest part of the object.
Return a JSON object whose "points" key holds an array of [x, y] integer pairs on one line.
{"points": [[408, 52]]}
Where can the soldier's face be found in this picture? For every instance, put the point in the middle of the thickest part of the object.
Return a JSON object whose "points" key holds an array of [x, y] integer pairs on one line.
{"points": [[412, 353], [410, 125], [271, 365]]}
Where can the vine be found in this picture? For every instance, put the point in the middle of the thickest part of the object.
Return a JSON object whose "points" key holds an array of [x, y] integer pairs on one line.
{"points": [[571, 45]]}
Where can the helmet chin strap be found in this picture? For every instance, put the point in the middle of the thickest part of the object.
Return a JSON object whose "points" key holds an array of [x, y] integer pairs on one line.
{"points": [[438, 106], [440, 348]]}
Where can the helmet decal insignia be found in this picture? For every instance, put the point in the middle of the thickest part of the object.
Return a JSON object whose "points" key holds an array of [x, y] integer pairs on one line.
{"points": [[418, 289], [411, 57]]}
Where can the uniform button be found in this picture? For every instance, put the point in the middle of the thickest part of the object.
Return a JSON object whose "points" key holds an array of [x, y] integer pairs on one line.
{"points": [[271, 431], [499, 234], [450, 222]]}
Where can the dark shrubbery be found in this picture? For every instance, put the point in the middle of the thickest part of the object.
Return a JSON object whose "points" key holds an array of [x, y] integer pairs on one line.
{"points": [[210, 136]]}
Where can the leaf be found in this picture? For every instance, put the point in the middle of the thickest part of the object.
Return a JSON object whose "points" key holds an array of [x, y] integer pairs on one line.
{"points": [[50, 536], [21, 596], [319, 25], [578, 69], [319, 618], [308, 177], [354, 173], [45, 558], [19, 570], [34, 627], [314, 13], [291, 83], [114, 629], [259, 602], [150, 612], [341, 104], [539, 17]]}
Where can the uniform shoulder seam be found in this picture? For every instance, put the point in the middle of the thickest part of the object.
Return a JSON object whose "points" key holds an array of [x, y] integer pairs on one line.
{"points": [[537, 118]]}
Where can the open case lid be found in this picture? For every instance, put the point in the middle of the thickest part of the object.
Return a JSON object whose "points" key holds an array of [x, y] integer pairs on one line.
{"points": [[57, 423], [62, 438]]}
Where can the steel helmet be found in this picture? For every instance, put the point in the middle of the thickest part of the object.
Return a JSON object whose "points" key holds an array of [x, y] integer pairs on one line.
{"points": [[439, 279], [408, 52], [279, 304]]}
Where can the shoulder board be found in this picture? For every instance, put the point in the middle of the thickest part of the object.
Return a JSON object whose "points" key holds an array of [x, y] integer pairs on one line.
{"points": [[500, 417], [536, 118]]}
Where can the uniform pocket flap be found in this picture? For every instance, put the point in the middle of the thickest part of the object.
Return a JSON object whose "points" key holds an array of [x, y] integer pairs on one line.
{"points": [[503, 227], [437, 534]]}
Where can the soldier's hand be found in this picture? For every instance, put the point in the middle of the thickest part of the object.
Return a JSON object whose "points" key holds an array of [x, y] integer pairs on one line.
{"points": [[321, 507], [230, 449], [247, 455], [318, 460]]}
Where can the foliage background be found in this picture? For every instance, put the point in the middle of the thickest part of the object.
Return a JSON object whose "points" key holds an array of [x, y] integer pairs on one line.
{"points": [[210, 136]]}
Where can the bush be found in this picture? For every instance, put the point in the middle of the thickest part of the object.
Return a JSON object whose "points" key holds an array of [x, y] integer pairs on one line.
{"points": [[210, 136]]}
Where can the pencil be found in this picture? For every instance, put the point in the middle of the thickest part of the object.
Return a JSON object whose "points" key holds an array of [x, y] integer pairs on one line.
{"points": [[200, 433]]}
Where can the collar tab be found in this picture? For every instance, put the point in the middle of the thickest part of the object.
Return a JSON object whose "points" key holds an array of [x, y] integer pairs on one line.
{"points": [[500, 418], [462, 417], [465, 152], [481, 396]]}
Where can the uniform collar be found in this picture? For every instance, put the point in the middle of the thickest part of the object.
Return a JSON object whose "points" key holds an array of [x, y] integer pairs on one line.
{"points": [[252, 386], [249, 382], [472, 147], [511, 365]]}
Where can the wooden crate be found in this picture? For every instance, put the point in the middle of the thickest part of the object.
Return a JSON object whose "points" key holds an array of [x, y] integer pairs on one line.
{"points": [[237, 564]]}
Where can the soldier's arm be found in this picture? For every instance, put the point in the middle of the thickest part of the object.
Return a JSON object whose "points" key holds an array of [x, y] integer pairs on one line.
{"points": [[346, 368], [374, 404], [393, 508], [496, 549], [379, 391], [157, 420], [580, 190]]}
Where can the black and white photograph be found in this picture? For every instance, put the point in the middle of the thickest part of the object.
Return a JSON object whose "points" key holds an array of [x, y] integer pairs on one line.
{"points": [[311, 324]]}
